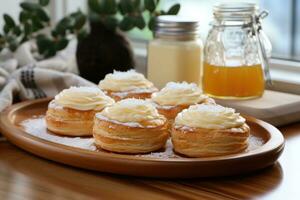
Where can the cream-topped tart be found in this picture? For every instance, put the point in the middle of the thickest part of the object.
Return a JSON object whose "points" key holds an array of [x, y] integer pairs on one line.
{"points": [[129, 84], [209, 130], [130, 126], [175, 97], [72, 111]]}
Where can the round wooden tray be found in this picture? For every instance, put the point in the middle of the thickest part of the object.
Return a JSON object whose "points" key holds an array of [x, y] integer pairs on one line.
{"points": [[160, 164]]}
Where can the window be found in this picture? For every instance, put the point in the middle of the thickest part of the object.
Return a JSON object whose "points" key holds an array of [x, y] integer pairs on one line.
{"points": [[282, 25]]}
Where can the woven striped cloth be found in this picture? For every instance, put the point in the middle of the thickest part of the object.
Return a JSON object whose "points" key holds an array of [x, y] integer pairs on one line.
{"points": [[22, 77], [33, 82]]}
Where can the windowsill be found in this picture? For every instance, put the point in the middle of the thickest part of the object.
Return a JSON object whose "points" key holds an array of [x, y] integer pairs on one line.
{"points": [[285, 74]]}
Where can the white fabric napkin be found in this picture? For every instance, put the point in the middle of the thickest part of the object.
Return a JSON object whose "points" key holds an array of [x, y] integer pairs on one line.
{"points": [[37, 79]]}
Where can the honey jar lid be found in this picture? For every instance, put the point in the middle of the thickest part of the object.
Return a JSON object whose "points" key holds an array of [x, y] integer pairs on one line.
{"points": [[235, 10]]}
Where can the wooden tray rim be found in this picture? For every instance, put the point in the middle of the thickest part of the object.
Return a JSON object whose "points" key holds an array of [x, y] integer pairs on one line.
{"points": [[275, 142]]}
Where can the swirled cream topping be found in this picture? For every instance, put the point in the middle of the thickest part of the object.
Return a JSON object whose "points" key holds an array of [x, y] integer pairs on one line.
{"points": [[124, 81], [179, 94], [83, 98], [133, 111], [209, 117]]}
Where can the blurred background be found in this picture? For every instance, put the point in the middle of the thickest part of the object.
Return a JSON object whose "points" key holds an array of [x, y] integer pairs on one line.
{"points": [[282, 25]]}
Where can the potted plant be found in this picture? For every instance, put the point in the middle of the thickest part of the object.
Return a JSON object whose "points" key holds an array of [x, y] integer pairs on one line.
{"points": [[106, 47], [102, 44]]}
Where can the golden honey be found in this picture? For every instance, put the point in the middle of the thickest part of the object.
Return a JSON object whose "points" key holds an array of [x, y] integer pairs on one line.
{"points": [[233, 82]]}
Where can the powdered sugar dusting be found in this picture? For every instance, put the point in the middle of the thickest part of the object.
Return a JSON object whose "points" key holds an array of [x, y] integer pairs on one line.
{"points": [[84, 89], [165, 153], [132, 103], [126, 75], [181, 86], [36, 126], [211, 108], [254, 143]]}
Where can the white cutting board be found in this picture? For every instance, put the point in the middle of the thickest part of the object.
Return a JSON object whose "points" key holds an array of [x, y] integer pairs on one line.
{"points": [[274, 107]]}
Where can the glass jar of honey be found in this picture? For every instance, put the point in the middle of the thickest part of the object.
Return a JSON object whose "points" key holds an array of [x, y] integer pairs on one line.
{"points": [[236, 53], [175, 53]]}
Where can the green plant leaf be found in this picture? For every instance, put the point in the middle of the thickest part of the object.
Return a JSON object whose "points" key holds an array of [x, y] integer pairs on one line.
{"points": [[27, 28], [50, 51], [43, 16], [24, 16], [13, 45], [28, 6], [10, 38], [63, 25], [42, 43], [43, 2], [94, 5], [126, 6], [24, 39], [6, 29], [61, 44], [139, 22], [111, 22], [149, 5], [94, 17], [54, 33], [110, 7], [17, 30], [127, 23], [36, 24], [151, 23], [136, 5], [79, 21], [45, 46], [9, 21], [12, 42], [82, 34], [174, 9]]}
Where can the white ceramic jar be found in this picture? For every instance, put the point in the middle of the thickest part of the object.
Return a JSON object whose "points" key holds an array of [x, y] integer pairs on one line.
{"points": [[175, 54]]}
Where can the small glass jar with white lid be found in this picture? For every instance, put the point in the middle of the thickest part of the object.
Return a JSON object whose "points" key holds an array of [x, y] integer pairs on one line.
{"points": [[175, 52]]}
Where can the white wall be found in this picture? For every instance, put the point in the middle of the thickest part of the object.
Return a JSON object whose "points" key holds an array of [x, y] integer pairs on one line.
{"points": [[10, 7], [59, 8]]}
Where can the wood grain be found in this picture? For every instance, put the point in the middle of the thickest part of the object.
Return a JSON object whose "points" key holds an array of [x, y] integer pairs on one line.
{"points": [[24, 176]]}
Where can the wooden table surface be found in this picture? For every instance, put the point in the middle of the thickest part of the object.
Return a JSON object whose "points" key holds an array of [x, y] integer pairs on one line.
{"points": [[25, 176]]}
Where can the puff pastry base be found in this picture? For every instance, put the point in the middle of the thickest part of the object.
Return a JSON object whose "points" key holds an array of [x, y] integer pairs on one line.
{"points": [[170, 112], [70, 122], [137, 94], [121, 138], [199, 142]]}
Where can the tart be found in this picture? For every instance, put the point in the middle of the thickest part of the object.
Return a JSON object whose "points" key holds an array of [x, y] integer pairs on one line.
{"points": [[209, 130], [129, 84], [72, 111], [130, 126], [175, 97]]}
